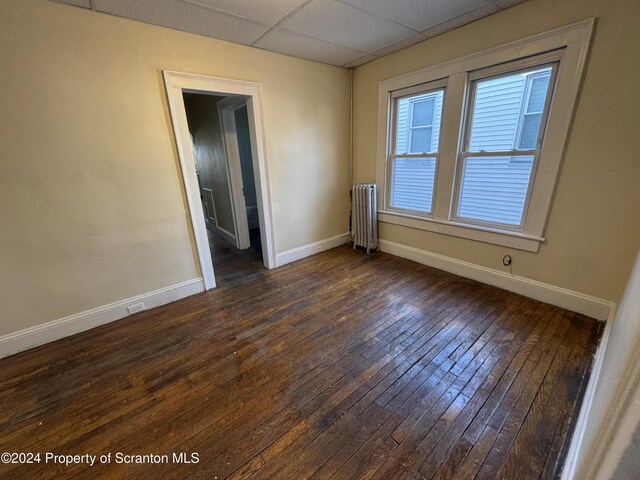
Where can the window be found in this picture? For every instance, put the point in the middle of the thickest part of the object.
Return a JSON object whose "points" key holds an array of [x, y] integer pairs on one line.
{"points": [[415, 152], [504, 136], [472, 147]]}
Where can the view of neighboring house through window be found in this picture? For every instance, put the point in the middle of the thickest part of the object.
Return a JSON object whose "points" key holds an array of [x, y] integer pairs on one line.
{"points": [[472, 147], [502, 146], [414, 157]]}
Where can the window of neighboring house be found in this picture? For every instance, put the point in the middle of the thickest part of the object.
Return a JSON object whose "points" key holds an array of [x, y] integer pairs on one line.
{"points": [[421, 125], [414, 156], [536, 87], [482, 165]]}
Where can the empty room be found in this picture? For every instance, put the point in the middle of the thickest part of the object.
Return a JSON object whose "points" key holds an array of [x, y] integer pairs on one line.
{"points": [[347, 239]]}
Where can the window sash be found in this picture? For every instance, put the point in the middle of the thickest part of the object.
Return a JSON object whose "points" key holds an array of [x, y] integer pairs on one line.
{"points": [[432, 157], [457, 193], [504, 71]]}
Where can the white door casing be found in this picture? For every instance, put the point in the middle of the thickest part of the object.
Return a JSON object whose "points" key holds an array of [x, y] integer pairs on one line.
{"points": [[175, 84]]}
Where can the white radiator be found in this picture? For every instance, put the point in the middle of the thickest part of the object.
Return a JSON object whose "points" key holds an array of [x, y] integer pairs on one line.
{"points": [[364, 216]]}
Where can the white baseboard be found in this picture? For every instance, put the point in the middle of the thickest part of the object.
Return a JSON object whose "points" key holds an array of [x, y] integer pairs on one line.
{"points": [[312, 248], [575, 301], [569, 470], [63, 327]]}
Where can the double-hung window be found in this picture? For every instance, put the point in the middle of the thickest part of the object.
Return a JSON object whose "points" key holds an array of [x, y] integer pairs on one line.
{"points": [[472, 148], [504, 132], [415, 148]]}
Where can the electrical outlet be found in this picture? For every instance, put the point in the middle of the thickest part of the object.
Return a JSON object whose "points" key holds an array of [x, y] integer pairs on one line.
{"points": [[138, 307]]}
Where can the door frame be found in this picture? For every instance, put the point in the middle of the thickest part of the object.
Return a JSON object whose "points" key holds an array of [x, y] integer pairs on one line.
{"points": [[175, 84], [226, 111]]}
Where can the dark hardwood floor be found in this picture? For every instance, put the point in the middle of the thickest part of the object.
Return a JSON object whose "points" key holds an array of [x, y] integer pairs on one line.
{"points": [[341, 365], [233, 267]]}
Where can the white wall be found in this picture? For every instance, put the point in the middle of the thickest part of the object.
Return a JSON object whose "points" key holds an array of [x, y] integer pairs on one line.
{"points": [[615, 411]]}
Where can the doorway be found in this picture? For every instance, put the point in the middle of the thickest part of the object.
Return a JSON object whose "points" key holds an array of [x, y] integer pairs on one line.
{"points": [[221, 148], [217, 125]]}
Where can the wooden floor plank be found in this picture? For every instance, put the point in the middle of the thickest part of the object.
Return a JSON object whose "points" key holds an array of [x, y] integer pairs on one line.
{"points": [[509, 419], [341, 365], [359, 430], [399, 415]]}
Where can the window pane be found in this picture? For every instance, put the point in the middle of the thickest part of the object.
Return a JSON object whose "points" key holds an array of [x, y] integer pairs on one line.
{"points": [[494, 189], [412, 183], [530, 128], [427, 107], [421, 140], [423, 112], [538, 93], [499, 107]]}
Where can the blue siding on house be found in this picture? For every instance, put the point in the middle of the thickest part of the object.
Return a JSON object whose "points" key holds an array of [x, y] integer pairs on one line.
{"points": [[496, 113], [402, 121], [493, 189], [412, 187]]}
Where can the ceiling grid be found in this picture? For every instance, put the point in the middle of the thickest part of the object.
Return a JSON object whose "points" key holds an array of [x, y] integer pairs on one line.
{"points": [[346, 33]]}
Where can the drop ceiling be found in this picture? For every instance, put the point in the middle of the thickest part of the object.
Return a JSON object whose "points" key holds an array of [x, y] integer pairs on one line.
{"points": [[346, 33]]}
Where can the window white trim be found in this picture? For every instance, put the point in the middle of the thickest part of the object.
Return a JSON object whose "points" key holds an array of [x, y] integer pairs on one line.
{"points": [[571, 44]]}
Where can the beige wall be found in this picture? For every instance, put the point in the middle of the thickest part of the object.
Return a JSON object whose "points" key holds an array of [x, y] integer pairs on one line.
{"points": [[593, 230], [210, 155], [92, 208]]}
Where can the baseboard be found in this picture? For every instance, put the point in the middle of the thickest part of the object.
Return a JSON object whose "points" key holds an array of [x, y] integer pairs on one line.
{"points": [[576, 445], [575, 301], [48, 332], [312, 248]]}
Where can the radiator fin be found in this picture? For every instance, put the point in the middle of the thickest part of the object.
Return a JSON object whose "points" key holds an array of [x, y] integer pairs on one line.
{"points": [[364, 216]]}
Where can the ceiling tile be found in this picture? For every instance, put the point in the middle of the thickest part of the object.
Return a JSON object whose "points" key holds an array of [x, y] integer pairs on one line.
{"points": [[468, 17], [417, 38], [77, 3], [338, 32], [342, 25], [507, 3], [266, 12], [189, 18], [417, 14], [297, 45], [360, 61]]}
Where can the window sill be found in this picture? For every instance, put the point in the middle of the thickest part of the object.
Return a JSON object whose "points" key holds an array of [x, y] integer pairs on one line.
{"points": [[515, 240]]}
